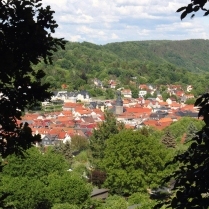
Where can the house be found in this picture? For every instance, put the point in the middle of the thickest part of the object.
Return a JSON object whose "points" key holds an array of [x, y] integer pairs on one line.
{"points": [[83, 96], [98, 83], [169, 101], [189, 88], [50, 139], [187, 114], [142, 93], [179, 93], [126, 93], [189, 96], [112, 84], [159, 98], [69, 106], [143, 87], [71, 96], [59, 95]]}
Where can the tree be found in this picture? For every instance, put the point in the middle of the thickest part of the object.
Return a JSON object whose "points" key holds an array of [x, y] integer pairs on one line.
{"points": [[191, 132], [40, 180], [141, 199], [65, 206], [65, 150], [168, 140], [68, 188], [25, 40], [133, 162], [34, 164], [191, 177], [79, 143], [195, 6], [165, 95], [105, 130], [109, 94], [97, 177], [115, 202], [135, 92], [190, 101]]}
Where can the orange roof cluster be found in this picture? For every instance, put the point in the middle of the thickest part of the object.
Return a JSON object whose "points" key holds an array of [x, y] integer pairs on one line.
{"points": [[157, 124], [188, 107]]}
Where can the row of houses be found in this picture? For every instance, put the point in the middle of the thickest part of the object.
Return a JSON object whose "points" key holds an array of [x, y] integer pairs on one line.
{"points": [[144, 89], [84, 96]]}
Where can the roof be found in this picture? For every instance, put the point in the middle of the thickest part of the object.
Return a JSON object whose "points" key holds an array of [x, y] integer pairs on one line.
{"points": [[96, 192], [139, 110]]}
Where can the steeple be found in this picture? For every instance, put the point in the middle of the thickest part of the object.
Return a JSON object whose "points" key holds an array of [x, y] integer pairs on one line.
{"points": [[118, 104], [119, 101]]}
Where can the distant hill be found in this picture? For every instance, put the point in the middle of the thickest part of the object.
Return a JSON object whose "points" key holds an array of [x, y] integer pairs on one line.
{"points": [[189, 54], [157, 62]]}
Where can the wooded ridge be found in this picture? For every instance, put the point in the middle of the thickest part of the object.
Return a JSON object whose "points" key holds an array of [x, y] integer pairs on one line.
{"points": [[156, 62]]}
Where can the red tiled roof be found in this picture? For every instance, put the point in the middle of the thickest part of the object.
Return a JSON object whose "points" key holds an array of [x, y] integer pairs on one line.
{"points": [[71, 105], [188, 107], [163, 103], [127, 126], [157, 125], [139, 110], [61, 135]]}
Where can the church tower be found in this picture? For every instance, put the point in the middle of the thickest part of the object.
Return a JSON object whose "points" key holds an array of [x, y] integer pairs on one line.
{"points": [[119, 104]]}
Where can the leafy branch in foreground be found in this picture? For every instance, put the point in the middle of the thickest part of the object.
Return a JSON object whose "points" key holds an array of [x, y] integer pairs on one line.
{"points": [[195, 6], [25, 40]]}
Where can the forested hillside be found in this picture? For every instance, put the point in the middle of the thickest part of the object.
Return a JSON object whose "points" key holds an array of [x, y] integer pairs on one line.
{"points": [[189, 54], [156, 62]]}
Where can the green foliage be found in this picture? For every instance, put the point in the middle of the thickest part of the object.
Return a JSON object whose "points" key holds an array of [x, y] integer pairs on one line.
{"points": [[79, 143], [22, 192], [141, 199], [165, 96], [34, 164], [138, 198], [25, 39], [67, 188], [191, 132], [191, 176], [133, 162], [65, 150], [135, 92], [39, 180], [168, 140], [109, 94], [82, 157], [114, 202], [161, 62], [180, 127], [105, 130], [65, 206], [190, 101]]}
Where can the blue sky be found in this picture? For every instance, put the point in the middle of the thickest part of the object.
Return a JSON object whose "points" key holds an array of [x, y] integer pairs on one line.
{"points": [[106, 21]]}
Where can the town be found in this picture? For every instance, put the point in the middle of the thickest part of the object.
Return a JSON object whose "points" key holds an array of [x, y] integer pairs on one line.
{"points": [[80, 114]]}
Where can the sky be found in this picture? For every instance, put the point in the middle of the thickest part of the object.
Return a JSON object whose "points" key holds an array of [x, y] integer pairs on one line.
{"points": [[107, 21]]}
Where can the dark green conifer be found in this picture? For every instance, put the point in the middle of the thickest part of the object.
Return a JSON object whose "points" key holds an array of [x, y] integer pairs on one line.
{"points": [[168, 140]]}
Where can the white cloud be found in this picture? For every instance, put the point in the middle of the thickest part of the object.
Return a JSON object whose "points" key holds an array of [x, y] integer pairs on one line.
{"points": [[103, 21]]}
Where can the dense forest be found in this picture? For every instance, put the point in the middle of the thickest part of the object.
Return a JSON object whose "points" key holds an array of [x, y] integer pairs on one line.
{"points": [[154, 62]]}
